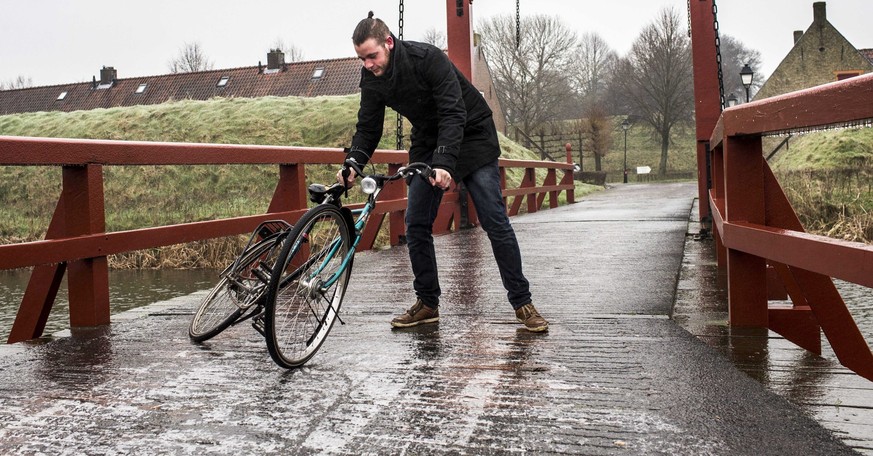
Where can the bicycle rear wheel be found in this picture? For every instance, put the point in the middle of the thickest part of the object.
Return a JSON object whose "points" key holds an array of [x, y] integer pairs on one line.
{"points": [[307, 286], [237, 291]]}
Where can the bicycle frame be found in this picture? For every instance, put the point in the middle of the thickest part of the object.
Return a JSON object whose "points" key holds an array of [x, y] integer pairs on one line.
{"points": [[363, 215]]}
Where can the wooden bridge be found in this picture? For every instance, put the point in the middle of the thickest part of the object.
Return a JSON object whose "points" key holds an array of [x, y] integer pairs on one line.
{"points": [[759, 247], [619, 372]]}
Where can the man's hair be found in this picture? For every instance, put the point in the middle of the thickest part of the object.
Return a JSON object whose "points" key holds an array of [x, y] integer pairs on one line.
{"points": [[370, 27]]}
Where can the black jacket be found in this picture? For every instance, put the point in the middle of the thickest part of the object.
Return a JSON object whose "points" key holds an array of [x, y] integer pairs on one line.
{"points": [[444, 108]]}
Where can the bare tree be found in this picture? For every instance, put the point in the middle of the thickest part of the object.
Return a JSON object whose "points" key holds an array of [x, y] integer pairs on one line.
{"points": [[735, 54], [292, 52], [598, 127], [656, 77], [434, 37], [530, 79], [191, 58], [20, 82], [593, 67]]}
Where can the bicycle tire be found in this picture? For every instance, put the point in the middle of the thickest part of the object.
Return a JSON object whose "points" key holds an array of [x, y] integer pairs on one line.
{"points": [[300, 312], [226, 302]]}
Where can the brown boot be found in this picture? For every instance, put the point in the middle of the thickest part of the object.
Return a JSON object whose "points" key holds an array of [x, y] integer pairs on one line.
{"points": [[528, 315], [417, 315]]}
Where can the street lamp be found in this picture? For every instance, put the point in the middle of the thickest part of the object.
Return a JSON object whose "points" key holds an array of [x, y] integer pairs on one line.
{"points": [[746, 74], [732, 100], [625, 125]]}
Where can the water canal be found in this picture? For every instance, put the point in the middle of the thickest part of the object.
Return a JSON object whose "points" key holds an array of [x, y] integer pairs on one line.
{"points": [[128, 289]]}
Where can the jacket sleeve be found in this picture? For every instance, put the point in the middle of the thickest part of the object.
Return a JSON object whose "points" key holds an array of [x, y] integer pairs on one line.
{"points": [[440, 75], [368, 132]]}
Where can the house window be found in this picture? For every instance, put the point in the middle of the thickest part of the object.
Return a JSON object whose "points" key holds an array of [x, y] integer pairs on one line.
{"points": [[141, 88], [846, 74], [61, 96], [223, 81], [318, 73]]}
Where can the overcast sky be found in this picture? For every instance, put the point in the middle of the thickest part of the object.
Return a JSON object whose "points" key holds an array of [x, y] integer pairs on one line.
{"points": [[62, 41]]}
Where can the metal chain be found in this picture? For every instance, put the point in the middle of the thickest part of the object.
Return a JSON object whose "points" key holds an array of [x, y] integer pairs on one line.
{"points": [[399, 117], [718, 54], [517, 23], [689, 18]]}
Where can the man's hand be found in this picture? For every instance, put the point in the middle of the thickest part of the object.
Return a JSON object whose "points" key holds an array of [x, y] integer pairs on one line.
{"points": [[441, 178], [350, 181]]}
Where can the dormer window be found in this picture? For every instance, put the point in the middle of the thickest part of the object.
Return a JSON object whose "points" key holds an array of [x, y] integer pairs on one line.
{"points": [[223, 81], [318, 73], [141, 88], [61, 96]]}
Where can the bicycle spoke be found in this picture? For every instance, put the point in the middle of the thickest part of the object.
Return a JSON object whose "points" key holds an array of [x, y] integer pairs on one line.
{"points": [[236, 292]]}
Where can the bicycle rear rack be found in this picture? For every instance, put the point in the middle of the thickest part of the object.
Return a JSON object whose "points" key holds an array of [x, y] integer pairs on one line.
{"points": [[264, 230]]}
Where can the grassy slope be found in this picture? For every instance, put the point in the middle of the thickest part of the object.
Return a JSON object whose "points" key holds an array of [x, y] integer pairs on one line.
{"points": [[148, 196], [835, 149], [828, 177]]}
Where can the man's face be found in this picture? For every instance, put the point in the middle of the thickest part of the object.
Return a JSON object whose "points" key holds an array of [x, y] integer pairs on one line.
{"points": [[375, 56]]}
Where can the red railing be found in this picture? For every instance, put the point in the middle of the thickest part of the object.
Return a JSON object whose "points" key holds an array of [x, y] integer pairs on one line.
{"points": [[77, 243], [758, 232]]}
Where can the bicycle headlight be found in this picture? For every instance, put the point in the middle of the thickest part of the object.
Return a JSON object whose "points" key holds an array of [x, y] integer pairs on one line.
{"points": [[368, 185]]}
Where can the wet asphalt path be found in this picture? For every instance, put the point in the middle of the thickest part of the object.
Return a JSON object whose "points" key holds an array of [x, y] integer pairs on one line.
{"points": [[614, 375]]}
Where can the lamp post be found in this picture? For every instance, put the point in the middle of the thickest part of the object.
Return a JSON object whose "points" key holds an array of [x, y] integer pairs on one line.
{"points": [[732, 100], [625, 125], [746, 74]]}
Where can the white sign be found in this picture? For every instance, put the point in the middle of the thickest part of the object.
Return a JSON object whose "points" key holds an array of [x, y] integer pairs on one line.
{"points": [[643, 169]]}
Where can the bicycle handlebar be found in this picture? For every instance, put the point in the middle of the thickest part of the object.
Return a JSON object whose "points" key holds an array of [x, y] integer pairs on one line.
{"points": [[422, 169]]}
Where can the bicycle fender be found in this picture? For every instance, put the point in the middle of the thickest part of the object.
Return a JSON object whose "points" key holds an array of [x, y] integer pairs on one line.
{"points": [[350, 221]]}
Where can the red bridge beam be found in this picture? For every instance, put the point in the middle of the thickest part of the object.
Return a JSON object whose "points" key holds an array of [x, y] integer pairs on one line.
{"points": [[76, 242], [757, 226]]}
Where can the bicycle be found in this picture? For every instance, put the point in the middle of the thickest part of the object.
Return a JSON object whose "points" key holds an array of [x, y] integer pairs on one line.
{"points": [[292, 281]]}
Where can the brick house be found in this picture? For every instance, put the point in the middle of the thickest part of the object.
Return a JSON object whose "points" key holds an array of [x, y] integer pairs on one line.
{"points": [[277, 78], [820, 55]]}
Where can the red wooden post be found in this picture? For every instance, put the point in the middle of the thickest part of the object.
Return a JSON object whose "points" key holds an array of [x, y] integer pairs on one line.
{"points": [[530, 181], [707, 106], [459, 35], [568, 180], [744, 202], [290, 193], [88, 279], [396, 220]]}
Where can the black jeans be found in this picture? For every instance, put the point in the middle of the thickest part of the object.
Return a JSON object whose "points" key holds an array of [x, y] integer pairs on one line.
{"points": [[483, 185]]}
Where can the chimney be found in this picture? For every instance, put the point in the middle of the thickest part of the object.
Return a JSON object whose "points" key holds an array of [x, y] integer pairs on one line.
{"points": [[797, 35], [108, 75], [275, 59], [819, 12]]}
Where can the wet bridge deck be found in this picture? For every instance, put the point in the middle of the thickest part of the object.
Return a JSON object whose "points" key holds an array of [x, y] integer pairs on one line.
{"points": [[615, 374]]}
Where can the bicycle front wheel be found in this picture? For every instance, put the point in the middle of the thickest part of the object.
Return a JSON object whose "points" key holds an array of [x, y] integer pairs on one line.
{"points": [[237, 291], [307, 286]]}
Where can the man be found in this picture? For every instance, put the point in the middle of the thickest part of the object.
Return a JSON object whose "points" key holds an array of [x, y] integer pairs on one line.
{"points": [[453, 131]]}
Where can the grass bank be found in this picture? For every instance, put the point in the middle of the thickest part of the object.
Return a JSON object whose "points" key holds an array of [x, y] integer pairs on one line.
{"points": [[143, 196], [828, 177]]}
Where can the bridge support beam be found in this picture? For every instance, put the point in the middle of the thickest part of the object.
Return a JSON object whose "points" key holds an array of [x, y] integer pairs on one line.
{"points": [[707, 95], [744, 197], [80, 211], [88, 278], [459, 35]]}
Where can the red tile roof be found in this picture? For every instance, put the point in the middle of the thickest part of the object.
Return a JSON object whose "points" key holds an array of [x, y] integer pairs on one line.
{"points": [[340, 77]]}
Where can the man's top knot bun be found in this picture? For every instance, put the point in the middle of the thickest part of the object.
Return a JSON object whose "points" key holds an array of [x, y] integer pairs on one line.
{"points": [[370, 15]]}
